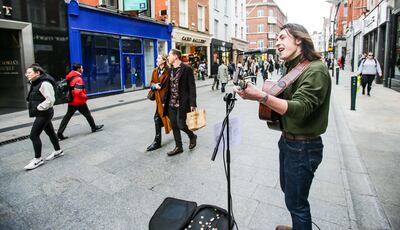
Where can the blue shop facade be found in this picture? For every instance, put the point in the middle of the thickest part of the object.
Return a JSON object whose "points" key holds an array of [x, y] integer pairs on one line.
{"points": [[118, 52]]}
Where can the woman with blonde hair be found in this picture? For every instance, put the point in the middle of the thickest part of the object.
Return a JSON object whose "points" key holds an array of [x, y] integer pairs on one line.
{"points": [[159, 85]]}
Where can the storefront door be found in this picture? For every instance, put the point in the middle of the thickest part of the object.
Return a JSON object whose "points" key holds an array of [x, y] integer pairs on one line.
{"points": [[133, 72]]}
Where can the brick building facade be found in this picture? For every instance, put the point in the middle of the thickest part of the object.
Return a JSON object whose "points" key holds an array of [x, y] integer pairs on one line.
{"points": [[264, 19]]}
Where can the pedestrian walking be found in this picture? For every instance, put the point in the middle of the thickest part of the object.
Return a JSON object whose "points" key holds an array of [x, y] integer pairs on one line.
{"points": [[368, 70], [41, 99], [214, 74], [159, 85], [223, 75], [181, 99], [231, 69], [203, 68], [78, 102], [277, 66], [304, 109]]}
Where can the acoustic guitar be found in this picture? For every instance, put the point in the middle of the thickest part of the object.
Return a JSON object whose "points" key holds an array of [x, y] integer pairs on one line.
{"points": [[275, 88]]}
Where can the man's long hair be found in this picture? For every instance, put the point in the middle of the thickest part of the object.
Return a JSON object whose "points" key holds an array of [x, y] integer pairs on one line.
{"points": [[307, 45]]}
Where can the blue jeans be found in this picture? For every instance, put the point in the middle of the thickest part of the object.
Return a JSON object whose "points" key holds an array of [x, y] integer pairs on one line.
{"points": [[298, 161]]}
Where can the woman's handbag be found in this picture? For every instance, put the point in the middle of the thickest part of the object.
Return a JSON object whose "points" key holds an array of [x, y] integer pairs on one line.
{"points": [[196, 119], [150, 95]]}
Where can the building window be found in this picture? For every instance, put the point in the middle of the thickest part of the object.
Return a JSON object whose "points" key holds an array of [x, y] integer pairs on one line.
{"points": [[247, 29], [200, 18], [271, 12], [260, 13], [216, 4], [270, 28], [236, 2], [260, 28], [112, 3], [226, 31], [241, 11], [271, 44], [183, 16], [226, 7], [236, 27], [260, 44], [241, 32], [215, 28]]}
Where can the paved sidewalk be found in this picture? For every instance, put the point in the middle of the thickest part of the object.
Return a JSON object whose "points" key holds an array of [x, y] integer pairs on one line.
{"points": [[371, 153], [106, 180]]}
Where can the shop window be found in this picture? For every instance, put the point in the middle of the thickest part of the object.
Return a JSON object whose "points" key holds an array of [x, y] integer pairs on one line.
{"points": [[101, 62], [162, 47], [131, 46], [148, 46]]}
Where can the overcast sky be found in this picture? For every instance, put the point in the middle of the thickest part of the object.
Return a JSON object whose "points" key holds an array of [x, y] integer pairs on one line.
{"points": [[308, 13]]}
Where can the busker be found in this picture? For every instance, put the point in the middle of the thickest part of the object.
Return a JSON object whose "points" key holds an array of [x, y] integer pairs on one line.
{"points": [[41, 99], [304, 109], [159, 85], [181, 99], [78, 102]]}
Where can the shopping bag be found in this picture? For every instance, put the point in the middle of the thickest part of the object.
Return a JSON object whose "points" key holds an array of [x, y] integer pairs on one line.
{"points": [[151, 95], [196, 119]]}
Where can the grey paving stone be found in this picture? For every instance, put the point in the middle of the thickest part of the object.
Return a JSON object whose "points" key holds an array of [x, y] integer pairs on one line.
{"points": [[333, 193], [110, 183], [269, 178], [329, 212], [272, 196], [268, 216], [369, 212]]}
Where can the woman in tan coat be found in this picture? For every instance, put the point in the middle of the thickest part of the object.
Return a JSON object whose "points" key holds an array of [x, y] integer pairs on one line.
{"points": [[159, 84]]}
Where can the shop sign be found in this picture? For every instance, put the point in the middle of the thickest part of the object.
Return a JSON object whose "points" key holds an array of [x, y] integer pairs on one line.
{"points": [[190, 39], [130, 5], [7, 10], [9, 67]]}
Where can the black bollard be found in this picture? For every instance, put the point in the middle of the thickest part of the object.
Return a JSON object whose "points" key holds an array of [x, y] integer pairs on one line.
{"points": [[353, 92], [337, 76]]}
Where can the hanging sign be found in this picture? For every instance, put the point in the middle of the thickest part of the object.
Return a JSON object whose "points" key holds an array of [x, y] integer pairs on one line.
{"points": [[130, 5]]}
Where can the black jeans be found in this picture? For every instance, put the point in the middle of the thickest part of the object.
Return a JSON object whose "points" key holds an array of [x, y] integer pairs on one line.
{"points": [[216, 81], [298, 161], [178, 123], [366, 80], [223, 87], [83, 109], [43, 123]]}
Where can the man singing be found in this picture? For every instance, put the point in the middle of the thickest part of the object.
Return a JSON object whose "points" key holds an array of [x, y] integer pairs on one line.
{"points": [[304, 108]]}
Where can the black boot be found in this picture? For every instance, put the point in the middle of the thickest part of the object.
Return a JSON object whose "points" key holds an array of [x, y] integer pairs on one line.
{"points": [[157, 139]]}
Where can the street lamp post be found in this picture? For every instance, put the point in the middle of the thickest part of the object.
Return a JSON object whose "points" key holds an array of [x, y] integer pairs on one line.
{"points": [[337, 4]]}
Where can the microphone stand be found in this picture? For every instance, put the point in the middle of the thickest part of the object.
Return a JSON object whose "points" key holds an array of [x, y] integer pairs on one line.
{"points": [[230, 99]]}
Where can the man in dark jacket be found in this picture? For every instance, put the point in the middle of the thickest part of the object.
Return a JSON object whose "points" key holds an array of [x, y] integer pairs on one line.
{"points": [[181, 99], [78, 102]]}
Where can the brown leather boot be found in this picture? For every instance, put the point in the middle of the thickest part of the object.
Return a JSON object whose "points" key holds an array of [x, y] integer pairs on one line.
{"points": [[176, 150], [283, 227]]}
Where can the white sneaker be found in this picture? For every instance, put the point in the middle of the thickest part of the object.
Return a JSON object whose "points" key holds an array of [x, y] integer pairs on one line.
{"points": [[34, 163], [55, 154]]}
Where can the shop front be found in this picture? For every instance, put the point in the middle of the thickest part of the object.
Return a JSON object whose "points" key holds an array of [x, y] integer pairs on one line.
{"points": [[194, 46], [33, 32], [394, 80], [115, 58], [239, 46], [222, 50]]}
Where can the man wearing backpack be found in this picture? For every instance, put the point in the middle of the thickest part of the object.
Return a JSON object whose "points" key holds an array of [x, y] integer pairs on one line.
{"points": [[78, 102], [368, 69]]}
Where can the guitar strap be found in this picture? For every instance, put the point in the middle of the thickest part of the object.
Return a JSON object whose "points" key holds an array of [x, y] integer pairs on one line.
{"points": [[288, 79]]}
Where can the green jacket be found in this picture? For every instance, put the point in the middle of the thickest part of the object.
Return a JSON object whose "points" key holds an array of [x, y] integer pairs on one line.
{"points": [[308, 100]]}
